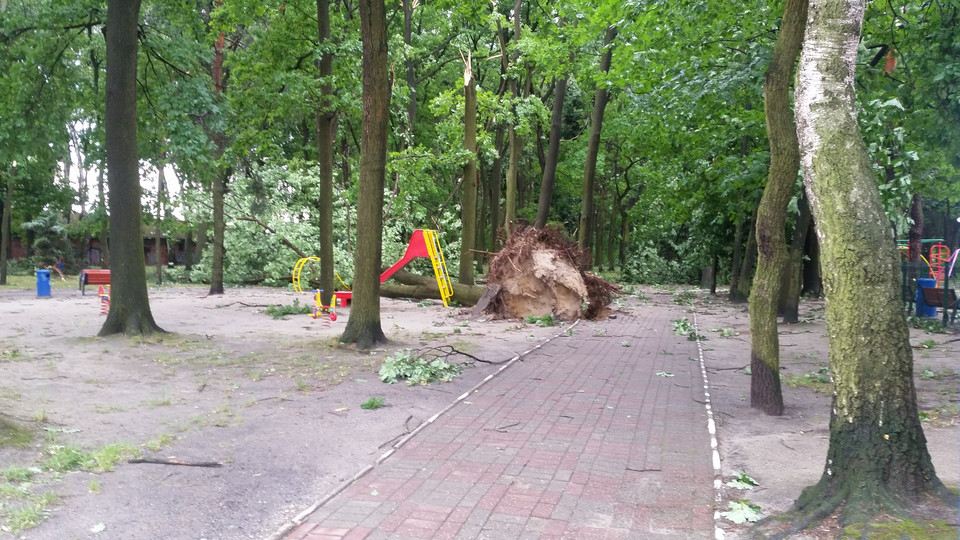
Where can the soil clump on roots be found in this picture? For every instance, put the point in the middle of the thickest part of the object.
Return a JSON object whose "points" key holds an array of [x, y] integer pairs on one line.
{"points": [[537, 273]]}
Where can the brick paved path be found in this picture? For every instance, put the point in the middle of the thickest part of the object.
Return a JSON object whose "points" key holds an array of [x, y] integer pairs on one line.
{"points": [[579, 439]]}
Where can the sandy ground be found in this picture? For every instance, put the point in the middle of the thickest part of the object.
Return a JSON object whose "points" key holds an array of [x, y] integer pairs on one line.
{"points": [[278, 405]]}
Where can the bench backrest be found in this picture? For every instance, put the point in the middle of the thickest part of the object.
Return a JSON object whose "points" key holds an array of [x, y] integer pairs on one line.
{"points": [[933, 297]]}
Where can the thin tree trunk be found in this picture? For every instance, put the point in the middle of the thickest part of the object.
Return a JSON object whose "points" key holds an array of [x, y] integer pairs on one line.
{"points": [[790, 294], [161, 193], [916, 228], [363, 327], [736, 260], [600, 97], [877, 459], [411, 70], [5, 225], [345, 178], [129, 304], [749, 261], [468, 207], [765, 393], [221, 178], [105, 233], [496, 220], [812, 282], [326, 120]]}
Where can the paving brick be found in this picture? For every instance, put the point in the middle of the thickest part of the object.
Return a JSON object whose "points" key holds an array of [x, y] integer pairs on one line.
{"points": [[580, 440]]}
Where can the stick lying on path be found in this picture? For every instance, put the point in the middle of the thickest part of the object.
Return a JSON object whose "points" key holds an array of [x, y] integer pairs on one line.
{"points": [[160, 461]]}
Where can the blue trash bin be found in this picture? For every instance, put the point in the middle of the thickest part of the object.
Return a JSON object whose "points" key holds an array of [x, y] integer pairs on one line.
{"points": [[43, 283], [923, 310]]}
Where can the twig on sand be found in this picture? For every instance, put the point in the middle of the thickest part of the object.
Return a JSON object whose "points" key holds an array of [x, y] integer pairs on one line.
{"points": [[445, 351], [161, 461]]}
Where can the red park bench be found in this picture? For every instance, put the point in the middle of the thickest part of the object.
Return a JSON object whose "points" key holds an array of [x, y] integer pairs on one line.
{"points": [[96, 276]]}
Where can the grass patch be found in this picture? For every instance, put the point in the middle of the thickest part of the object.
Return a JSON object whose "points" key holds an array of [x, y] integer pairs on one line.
{"points": [[895, 530], [545, 320], [13, 435], [30, 514], [160, 442], [374, 403], [818, 380], [17, 474], [281, 311]]}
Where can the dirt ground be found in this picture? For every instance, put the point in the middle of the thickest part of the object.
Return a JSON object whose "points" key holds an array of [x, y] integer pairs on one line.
{"points": [[279, 407]]}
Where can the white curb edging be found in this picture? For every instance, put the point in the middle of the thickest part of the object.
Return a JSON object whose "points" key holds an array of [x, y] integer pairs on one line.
{"points": [[718, 533]]}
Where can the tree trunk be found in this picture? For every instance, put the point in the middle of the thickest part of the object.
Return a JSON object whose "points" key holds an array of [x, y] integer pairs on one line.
{"points": [[553, 153], [740, 289], [363, 327], [161, 189], [790, 292], [5, 221], [326, 120], [188, 253], [408, 6], [422, 287], [916, 229], [765, 393], [201, 240], [516, 144], [812, 282], [494, 190], [346, 180], [468, 207], [877, 458], [600, 97], [222, 176], [129, 303], [216, 265], [749, 261], [736, 260], [105, 232]]}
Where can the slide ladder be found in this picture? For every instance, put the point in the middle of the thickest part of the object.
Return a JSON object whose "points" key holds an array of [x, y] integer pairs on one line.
{"points": [[439, 265], [423, 243]]}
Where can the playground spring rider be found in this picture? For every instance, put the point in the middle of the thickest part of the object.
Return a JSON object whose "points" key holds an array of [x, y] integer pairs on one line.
{"points": [[104, 296], [322, 310]]}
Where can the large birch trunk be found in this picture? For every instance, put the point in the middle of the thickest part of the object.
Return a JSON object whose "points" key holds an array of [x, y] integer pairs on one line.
{"points": [[878, 459]]}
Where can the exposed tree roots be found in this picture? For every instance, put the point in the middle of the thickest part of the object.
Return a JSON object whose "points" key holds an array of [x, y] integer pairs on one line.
{"points": [[854, 503]]}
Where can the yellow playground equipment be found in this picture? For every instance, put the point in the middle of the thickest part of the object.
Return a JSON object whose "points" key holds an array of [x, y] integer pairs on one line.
{"points": [[423, 243], [298, 269], [322, 310]]}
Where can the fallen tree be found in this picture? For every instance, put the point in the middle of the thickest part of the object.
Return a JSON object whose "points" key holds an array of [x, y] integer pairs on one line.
{"points": [[425, 288]]}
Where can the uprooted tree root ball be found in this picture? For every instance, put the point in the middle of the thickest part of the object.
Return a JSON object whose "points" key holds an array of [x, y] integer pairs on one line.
{"points": [[537, 272]]}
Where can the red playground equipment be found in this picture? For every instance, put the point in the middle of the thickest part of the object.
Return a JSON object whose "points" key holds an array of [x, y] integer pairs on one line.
{"points": [[104, 295], [939, 257], [423, 243]]}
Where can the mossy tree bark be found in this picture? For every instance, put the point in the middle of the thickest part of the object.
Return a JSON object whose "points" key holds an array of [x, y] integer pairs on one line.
{"points": [[765, 393], [878, 459], [326, 128], [600, 97], [129, 305], [468, 206], [363, 327]]}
